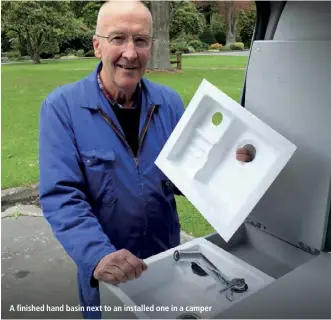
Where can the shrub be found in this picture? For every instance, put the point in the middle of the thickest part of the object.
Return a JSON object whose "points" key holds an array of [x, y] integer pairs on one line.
{"points": [[237, 46], [215, 46], [14, 55], [205, 46], [190, 49], [173, 47], [89, 53], [218, 27], [180, 46], [185, 17], [225, 48], [80, 53], [190, 37], [47, 55], [83, 40], [220, 37], [69, 51], [196, 44], [207, 36], [68, 57], [246, 25]]}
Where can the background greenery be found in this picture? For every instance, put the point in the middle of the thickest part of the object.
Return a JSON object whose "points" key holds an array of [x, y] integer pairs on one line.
{"points": [[61, 29]]}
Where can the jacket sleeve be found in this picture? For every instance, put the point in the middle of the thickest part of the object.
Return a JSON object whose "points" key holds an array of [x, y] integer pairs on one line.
{"points": [[62, 192]]}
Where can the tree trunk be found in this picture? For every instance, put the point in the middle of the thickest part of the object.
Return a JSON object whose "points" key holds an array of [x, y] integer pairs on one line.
{"points": [[33, 48], [36, 58], [231, 23], [161, 49]]}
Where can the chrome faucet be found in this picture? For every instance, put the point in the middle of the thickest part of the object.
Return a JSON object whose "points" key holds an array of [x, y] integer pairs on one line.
{"points": [[236, 284]]}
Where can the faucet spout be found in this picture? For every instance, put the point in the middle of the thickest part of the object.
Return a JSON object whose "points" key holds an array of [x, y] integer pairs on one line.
{"points": [[203, 262]]}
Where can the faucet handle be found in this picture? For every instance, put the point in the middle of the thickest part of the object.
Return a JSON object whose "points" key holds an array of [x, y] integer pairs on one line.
{"points": [[234, 283]]}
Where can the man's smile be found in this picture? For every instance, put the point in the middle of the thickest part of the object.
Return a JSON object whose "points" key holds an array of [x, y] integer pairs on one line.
{"points": [[126, 67]]}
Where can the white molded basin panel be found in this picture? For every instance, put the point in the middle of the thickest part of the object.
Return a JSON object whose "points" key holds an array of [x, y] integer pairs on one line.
{"points": [[200, 158], [171, 284]]}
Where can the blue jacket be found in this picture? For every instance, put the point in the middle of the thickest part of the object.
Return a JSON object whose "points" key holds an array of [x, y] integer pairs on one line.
{"points": [[95, 194]]}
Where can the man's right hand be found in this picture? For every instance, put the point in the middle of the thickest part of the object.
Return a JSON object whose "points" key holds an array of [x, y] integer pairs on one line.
{"points": [[119, 267]]}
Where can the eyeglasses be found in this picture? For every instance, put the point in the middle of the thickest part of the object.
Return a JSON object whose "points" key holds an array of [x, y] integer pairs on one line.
{"points": [[119, 40]]}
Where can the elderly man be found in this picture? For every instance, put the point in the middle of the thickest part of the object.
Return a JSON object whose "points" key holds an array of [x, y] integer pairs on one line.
{"points": [[106, 201]]}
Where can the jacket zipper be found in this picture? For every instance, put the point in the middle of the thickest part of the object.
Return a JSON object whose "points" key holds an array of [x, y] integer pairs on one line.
{"points": [[122, 137], [119, 133], [140, 141]]}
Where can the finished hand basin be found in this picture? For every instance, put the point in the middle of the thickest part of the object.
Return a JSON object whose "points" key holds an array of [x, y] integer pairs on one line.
{"points": [[170, 288]]}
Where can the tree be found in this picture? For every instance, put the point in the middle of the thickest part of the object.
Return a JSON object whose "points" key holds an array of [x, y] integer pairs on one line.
{"points": [[186, 18], [207, 8], [161, 20], [231, 11], [247, 22], [89, 13], [39, 24]]}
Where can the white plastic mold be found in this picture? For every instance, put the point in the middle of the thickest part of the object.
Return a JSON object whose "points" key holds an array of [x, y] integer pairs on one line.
{"points": [[200, 158]]}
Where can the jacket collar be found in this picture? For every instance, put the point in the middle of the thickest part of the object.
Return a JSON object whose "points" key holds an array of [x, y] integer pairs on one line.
{"points": [[148, 87]]}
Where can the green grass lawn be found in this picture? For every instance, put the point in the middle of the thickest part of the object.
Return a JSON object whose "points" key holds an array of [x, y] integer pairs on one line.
{"points": [[25, 85]]}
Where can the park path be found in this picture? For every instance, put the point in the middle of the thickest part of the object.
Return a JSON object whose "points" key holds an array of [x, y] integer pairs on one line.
{"points": [[35, 268], [244, 53]]}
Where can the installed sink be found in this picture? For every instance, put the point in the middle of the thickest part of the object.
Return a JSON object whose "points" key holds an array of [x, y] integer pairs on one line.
{"points": [[170, 289]]}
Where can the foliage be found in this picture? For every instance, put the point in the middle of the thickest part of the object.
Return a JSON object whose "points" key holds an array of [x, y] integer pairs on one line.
{"points": [[80, 53], [237, 46], [43, 29], [82, 39], [190, 49], [5, 42], [186, 18], [217, 23], [89, 54], [190, 37], [246, 25], [179, 46], [13, 55], [197, 45], [207, 8], [218, 28], [207, 36], [89, 13], [39, 24], [215, 46], [231, 11]]}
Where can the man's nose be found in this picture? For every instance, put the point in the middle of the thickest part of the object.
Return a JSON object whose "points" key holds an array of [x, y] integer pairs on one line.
{"points": [[130, 51]]}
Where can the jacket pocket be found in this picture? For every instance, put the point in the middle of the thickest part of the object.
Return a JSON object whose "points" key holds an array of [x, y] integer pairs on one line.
{"points": [[99, 169]]}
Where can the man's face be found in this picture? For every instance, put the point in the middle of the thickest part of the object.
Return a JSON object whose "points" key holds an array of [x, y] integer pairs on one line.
{"points": [[126, 52]]}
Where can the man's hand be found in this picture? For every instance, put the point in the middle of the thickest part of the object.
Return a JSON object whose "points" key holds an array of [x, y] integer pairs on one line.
{"points": [[119, 267], [246, 153]]}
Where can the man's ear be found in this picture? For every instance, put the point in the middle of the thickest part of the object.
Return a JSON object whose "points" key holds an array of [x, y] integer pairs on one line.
{"points": [[96, 47], [151, 50]]}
